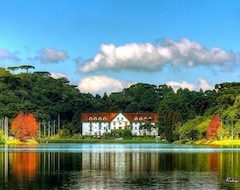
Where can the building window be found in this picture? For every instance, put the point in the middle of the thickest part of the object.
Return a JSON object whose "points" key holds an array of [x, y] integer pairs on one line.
{"points": [[135, 118], [95, 118]]}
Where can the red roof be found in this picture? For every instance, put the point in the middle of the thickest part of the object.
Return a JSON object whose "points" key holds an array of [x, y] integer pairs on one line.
{"points": [[108, 117], [98, 117], [142, 117]]}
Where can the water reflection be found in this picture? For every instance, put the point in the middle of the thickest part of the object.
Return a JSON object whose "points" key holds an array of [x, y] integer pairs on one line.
{"points": [[103, 168], [24, 165]]}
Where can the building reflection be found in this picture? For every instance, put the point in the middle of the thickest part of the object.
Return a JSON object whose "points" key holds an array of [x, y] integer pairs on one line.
{"points": [[119, 162]]}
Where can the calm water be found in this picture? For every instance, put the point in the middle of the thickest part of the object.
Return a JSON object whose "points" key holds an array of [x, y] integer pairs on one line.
{"points": [[118, 166]]}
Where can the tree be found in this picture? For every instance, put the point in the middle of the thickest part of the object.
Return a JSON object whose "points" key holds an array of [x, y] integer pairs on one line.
{"points": [[194, 129], [27, 67], [172, 120], [213, 127], [221, 132], [13, 68], [2, 139], [24, 126]]}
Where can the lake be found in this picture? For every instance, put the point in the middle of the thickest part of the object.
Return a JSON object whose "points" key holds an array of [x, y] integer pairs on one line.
{"points": [[118, 166]]}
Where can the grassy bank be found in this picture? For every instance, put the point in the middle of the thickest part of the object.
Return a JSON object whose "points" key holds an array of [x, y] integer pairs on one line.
{"points": [[226, 142], [95, 140], [210, 142], [134, 140], [18, 142]]}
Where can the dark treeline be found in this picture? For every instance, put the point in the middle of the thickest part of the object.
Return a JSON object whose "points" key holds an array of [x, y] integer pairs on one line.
{"points": [[182, 114]]}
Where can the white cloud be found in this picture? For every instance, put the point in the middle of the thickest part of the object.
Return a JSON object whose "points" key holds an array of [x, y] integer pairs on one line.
{"points": [[101, 84], [204, 84], [183, 84], [57, 75], [7, 55], [50, 55], [149, 57]]}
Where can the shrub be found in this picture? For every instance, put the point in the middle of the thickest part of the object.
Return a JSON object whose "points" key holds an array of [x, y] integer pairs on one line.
{"points": [[127, 134]]}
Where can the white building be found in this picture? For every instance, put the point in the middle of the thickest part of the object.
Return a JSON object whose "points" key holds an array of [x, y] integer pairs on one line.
{"points": [[98, 124]]}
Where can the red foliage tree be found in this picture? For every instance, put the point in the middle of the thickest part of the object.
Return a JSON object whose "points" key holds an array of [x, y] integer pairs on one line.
{"points": [[24, 126], [213, 127]]}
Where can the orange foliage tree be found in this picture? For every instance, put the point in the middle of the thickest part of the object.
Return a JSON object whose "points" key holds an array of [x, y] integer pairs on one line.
{"points": [[213, 127], [24, 126]]}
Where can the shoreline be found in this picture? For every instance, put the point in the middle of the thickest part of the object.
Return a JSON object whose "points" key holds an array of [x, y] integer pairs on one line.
{"points": [[122, 141]]}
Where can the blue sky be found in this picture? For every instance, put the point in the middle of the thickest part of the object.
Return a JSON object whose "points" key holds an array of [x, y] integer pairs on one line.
{"points": [[107, 45]]}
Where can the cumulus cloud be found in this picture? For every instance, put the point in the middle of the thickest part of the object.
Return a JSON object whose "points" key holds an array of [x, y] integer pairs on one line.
{"points": [[149, 57], [51, 55], [57, 75], [101, 84], [183, 84], [202, 84], [7, 55]]}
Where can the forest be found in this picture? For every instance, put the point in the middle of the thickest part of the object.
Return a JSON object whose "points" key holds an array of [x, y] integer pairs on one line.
{"points": [[183, 114]]}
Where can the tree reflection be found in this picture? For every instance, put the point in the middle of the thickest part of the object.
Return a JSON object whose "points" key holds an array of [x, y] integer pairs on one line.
{"points": [[213, 161], [118, 169], [24, 165]]}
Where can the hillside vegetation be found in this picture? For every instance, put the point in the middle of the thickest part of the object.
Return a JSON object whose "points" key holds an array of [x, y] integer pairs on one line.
{"points": [[182, 115]]}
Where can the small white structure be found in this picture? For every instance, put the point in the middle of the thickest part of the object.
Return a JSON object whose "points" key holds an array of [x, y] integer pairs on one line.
{"points": [[99, 124]]}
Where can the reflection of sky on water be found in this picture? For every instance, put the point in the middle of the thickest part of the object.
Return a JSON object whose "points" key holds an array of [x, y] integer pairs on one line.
{"points": [[78, 147]]}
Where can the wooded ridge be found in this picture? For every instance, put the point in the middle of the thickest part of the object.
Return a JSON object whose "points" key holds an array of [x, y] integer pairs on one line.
{"points": [[183, 114]]}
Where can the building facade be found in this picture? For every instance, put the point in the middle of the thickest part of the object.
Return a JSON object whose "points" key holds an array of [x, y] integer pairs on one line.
{"points": [[100, 124]]}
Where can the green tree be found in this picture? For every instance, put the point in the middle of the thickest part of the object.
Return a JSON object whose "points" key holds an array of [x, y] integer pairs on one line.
{"points": [[221, 132], [2, 138], [27, 67], [172, 120], [13, 68]]}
